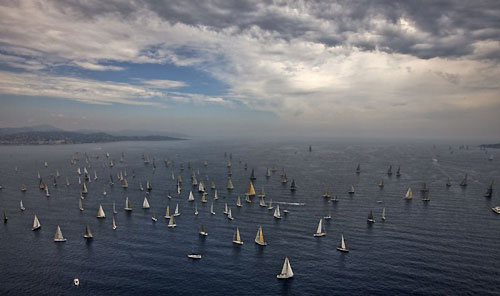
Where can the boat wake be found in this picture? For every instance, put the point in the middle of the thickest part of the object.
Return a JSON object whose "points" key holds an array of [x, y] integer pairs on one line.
{"points": [[291, 203]]}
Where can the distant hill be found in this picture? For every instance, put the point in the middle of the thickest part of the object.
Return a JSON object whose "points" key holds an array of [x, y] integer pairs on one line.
{"points": [[65, 137], [36, 128]]}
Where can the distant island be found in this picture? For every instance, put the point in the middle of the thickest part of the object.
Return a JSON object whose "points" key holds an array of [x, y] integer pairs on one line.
{"points": [[46, 135], [496, 146]]}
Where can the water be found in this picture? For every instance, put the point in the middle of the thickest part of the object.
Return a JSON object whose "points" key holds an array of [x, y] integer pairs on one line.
{"points": [[446, 246]]}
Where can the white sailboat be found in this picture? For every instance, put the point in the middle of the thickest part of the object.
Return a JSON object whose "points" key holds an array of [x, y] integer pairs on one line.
{"points": [[277, 213], [270, 207], [167, 213], [259, 238], [370, 218], [203, 231], [212, 209], [236, 237], [351, 189], [226, 210], [319, 231], [408, 194], [230, 185], [204, 197], [21, 206], [195, 210], [171, 222], [128, 207], [36, 224], [383, 214], [100, 212], [176, 212], [88, 233], [191, 196], [145, 203], [286, 271], [84, 188], [216, 195], [114, 208], [58, 237], [238, 202], [114, 223], [262, 202], [342, 247], [230, 215], [80, 204]]}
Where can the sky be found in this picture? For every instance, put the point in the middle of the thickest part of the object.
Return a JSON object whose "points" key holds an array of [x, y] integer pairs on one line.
{"points": [[380, 69]]}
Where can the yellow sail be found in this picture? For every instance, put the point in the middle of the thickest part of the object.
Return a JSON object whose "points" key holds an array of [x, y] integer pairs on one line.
{"points": [[167, 213], [250, 189]]}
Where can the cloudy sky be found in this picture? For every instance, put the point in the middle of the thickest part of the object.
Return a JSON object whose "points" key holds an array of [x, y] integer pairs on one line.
{"points": [[416, 69]]}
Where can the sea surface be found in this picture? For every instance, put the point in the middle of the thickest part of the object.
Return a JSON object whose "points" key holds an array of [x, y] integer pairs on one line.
{"points": [[447, 246]]}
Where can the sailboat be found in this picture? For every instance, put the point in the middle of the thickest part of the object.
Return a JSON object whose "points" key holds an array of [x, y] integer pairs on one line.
{"points": [[286, 271], [230, 185], [370, 218], [351, 189], [149, 187], [36, 224], [329, 216], [326, 194], [236, 237], [268, 173], [262, 202], [342, 247], [270, 207], [128, 207], [80, 204], [389, 171], [464, 181], [277, 213], [141, 187], [216, 195], [358, 169], [203, 231], [204, 197], [88, 233], [320, 232], [489, 191], [250, 189], [226, 210], [230, 215], [191, 196], [381, 184], [84, 188], [124, 183], [176, 212], [5, 218], [23, 188], [284, 179], [145, 203], [171, 222], [95, 175], [238, 202], [398, 172], [195, 210], [21, 206], [114, 223], [100, 212], [154, 217], [67, 181], [335, 198], [252, 176], [212, 186], [247, 199], [383, 214], [259, 238], [47, 193], [426, 196], [262, 194], [408, 194], [58, 237], [167, 213], [293, 187], [212, 209], [114, 208]]}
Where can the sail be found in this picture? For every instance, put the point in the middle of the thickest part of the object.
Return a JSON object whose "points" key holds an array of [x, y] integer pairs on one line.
{"points": [[250, 189], [229, 215], [145, 203], [277, 213], [84, 188], [230, 184], [171, 222], [128, 207], [124, 183], [225, 209], [201, 188], [114, 208], [36, 223], [238, 201], [409, 194], [88, 233], [286, 271], [236, 236], [342, 242], [21, 205], [167, 212], [114, 223], [320, 227], [80, 204], [58, 237], [191, 196], [212, 209], [383, 214], [204, 197], [216, 195], [100, 212], [176, 212], [261, 236]]}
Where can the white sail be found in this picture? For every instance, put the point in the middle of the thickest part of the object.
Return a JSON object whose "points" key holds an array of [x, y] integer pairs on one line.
{"points": [[128, 207], [238, 202], [171, 222], [319, 231], [21, 206], [176, 213], [100, 212], [36, 223], [342, 247], [270, 204], [259, 238], [277, 213], [225, 208], [114, 223], [204, 198], [216, 195], [230, 184], [212, 209], [167, 213], [80, 204], [229, 215], [58, 237], [114, 208], [191, 196], [286, 271], [383, 214], [145, 203], [408, 194], [88, 233]]}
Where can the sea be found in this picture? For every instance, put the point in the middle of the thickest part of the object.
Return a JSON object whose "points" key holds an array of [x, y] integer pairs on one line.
{"points": [[449, 245]]}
